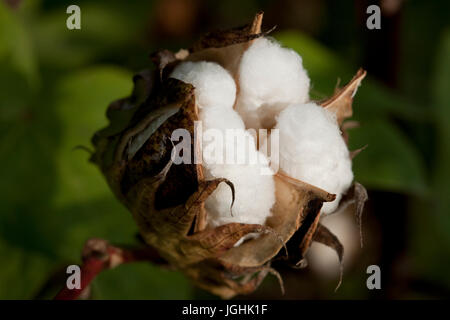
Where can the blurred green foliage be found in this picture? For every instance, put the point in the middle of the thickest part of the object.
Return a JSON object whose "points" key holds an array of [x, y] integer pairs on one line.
{"points": [[53, 198], [55, 85]]}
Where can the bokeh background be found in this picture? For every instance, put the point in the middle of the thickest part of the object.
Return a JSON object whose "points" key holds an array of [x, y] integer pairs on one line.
{"points": [[55, 85]]}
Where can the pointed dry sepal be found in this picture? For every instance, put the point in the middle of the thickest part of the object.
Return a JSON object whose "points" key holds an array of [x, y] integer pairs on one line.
{"points": [[356, 195], [326, 237], [354, 153], [361, 197], [341, 102], [255, 27]]}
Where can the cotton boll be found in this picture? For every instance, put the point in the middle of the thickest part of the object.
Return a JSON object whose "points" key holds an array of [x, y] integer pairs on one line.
{"points": [[270, 78], [312, 150], [214, 86]]}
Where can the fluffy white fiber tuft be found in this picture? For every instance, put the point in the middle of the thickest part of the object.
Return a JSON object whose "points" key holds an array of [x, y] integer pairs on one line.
{"points": [[312, 150], [215, 93], [214, 86], [221, 118], [270, 78], [255, 193], [246, 172]]}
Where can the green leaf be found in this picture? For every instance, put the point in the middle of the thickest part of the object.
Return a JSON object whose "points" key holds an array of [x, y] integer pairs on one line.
{"points": [[29, 131], [15, 45], [441, 93], [23, 272], [438, 204], [82, 99], [103, 217], [108, 30], [389, 162]]}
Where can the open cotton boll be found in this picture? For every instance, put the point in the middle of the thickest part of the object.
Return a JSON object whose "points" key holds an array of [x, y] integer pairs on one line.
{"points": [[270, 78], [312, 150], [214, 86]]}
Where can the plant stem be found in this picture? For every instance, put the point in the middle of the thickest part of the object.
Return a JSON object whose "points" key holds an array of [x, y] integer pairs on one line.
{"points": [[99, 255]]}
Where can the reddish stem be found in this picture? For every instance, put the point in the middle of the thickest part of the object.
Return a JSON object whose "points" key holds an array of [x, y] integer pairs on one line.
{"points": [[99, 255]]}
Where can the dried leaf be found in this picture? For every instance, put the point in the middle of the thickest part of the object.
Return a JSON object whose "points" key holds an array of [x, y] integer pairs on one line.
{"points": [[361, 197], [224, 38], [227, 47], [326, 237], [356, 195]]}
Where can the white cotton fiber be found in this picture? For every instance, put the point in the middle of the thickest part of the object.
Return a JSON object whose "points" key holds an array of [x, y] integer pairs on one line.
{"points": [[270, 78], [254, 191], [214, 86], [221, 118], [254, 188], [216, 122], [312, 150]]}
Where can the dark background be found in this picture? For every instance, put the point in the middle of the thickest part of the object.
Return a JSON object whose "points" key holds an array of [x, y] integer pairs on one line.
{"points": [[55, 85]]}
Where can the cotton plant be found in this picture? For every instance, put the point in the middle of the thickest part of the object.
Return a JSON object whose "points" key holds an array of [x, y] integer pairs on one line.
{"points": [[222, 223]]}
